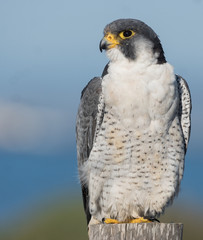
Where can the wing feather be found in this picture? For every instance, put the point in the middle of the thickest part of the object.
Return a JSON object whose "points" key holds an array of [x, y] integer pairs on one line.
{"points": [[88, 118], [185, 108]]}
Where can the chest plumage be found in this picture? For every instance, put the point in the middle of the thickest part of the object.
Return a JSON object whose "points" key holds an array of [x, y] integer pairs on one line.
{"points": [[141, 96]]}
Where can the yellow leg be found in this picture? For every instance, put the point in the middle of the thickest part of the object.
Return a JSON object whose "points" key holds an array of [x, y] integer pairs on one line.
{"points": [[111, 221], [140, 220], [136, 220]]}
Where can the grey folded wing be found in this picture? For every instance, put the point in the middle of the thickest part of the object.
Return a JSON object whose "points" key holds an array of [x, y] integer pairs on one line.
{"points": [[185, 108], [89, 118]]}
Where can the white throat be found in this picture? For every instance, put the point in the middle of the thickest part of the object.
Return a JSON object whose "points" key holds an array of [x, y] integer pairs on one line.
{"points": [[139, 92]]}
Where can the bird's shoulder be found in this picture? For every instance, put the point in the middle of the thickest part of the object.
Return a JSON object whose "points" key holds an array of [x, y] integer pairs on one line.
{"points": [[90, 95]]}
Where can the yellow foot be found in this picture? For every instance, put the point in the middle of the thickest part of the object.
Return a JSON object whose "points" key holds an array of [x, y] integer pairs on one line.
{"points": [[140, 220], [111, 221]]}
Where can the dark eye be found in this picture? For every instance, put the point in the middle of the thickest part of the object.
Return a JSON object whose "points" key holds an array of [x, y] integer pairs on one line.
{"points": [[126, 34]]}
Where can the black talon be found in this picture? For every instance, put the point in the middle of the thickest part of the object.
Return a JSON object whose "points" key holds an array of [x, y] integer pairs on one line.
{"points": [[152, 219]]}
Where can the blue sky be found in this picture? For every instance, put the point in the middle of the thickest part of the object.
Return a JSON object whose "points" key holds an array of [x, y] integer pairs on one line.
{"points": [[49, 50]]}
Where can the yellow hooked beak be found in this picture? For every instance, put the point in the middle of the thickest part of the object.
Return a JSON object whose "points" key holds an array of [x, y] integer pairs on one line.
{"points": [[109, 41]]}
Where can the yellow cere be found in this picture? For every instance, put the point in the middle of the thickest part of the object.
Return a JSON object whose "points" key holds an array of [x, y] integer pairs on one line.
{"points": [[111, 38]]}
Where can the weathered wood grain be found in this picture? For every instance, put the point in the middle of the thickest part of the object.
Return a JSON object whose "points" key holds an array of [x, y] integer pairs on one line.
{"points": [[136, 231]]}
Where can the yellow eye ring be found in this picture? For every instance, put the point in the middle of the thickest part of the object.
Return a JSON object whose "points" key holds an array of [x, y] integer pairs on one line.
{"points": [[126, 34]]}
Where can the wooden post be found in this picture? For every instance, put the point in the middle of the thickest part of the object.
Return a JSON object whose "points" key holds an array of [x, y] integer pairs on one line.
{"points": [[136, 231]]}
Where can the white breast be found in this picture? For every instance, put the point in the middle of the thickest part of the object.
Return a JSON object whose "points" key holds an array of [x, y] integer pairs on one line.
{"points": [[141, 94]]}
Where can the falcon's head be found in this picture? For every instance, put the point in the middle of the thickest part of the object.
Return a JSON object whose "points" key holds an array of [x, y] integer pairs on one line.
{"points": [[133, 39]]}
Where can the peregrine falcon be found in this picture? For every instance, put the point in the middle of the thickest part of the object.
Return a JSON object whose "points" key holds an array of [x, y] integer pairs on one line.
{"points": [[133, 128]]}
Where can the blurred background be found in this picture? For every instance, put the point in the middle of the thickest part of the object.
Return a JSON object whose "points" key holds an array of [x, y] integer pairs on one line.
{"points": [[49, 50]]}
